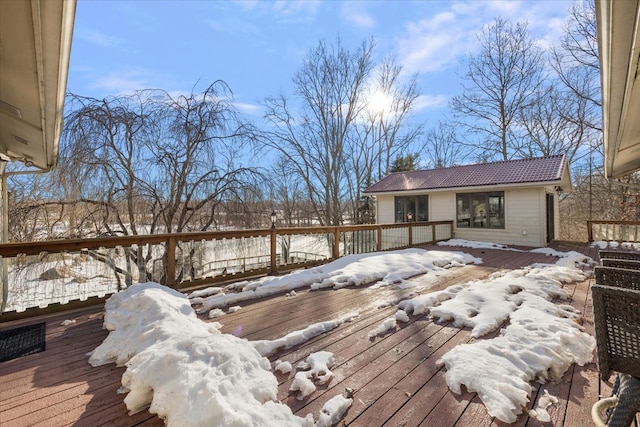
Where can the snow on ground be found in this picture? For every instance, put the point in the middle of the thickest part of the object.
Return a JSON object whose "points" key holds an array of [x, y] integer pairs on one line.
{"points": [[282, 367], [200, 293], [333, 411], [616, 245], [568, 259], [540, 412], [217, 312], [44, 283], [172, 356], [269, 347], [389, 324], [462, 243], [315, 370], [540, 342], [352, 270], [386, 325], [182, 369]]}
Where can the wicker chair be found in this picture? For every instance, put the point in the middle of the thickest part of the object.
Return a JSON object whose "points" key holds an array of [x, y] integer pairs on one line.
{"points": [[617, 325], [618, 277], [630, 255], [621, 263]]}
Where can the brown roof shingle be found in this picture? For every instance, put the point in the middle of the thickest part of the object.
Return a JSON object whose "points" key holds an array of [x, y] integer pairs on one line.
{"points": [[521, 171]]}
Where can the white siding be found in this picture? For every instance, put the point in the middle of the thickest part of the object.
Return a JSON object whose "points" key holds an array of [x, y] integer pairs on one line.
{"points": [[524, 221], [442, 206], [385, 207], [525, 216]]}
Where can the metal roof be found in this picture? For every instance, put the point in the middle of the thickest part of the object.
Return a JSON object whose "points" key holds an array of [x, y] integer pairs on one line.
{"points": [[549, 169]]}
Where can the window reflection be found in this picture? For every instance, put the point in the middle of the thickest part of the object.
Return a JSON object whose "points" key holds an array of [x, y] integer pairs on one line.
{"points": [[418, 206], [480, 210]]}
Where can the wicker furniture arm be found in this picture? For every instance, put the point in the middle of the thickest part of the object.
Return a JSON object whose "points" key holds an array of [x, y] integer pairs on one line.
{"points": [[621, 263], [617, 325], [617, 328], [627, 390], [618, 277], [630, 255]]}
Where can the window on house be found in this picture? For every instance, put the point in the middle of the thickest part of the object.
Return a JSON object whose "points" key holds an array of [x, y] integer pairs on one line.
{"points": [[418, 206], [480, 210]]}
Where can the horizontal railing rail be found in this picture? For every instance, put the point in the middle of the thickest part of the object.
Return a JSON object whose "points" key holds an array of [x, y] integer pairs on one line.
{"points": [[45, 273], [618, 231]]}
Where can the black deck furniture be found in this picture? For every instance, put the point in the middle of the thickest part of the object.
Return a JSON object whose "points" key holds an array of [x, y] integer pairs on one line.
{"points": [[616, 312], [621, 263], [630, 255], [618, 277]]}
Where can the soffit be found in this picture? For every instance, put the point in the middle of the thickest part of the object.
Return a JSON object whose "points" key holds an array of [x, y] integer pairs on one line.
{"points": [[619, 45], [35, 45]]}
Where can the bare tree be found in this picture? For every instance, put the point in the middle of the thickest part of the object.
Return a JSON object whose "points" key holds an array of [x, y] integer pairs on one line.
{"points": [[151, 163], [556, 122], [383, 132], [575, 58], [329, 88], [196, 149], [155, 162], [333, 141], [501, 79], [287, 194], [386, 129], [443, 147]]}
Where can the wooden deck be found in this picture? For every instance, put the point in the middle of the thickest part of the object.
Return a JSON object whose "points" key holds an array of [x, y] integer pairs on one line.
{"points": [[395, 377]]}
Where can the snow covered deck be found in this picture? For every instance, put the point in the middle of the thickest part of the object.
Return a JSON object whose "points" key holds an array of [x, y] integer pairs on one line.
{"points": [[394, 376]]}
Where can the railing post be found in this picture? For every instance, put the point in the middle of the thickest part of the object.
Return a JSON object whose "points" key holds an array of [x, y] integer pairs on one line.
{"points": [[336, 243], [589, 231], [379, 242], [274, 265], [171, 261], [410, 235], [433, 233]]}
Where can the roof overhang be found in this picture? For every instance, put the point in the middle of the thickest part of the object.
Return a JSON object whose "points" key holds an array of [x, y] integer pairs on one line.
{"points": [[35, 47], [619, 46], [564, 185]]}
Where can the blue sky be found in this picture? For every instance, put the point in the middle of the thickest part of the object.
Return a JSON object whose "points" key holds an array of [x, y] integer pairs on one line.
{"points": [[257, 46]]}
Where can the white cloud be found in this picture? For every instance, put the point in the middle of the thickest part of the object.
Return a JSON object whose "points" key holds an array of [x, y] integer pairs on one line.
{"points": [[551, 36], [100, 39], [354, 14], [431, 44], [424, 102], [305, 8], [252, 109], [119, 82], [505, 9], [438, 42]]}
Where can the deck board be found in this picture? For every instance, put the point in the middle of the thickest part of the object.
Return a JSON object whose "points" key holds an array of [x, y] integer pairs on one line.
{"points": [[395, 377]]}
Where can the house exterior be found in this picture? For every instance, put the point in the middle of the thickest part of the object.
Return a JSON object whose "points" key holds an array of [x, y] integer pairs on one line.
{"points": [[35, 47], [618, 28], [512, 202]]}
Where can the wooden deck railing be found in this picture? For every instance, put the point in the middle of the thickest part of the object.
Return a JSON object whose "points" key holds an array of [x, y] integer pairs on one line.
{"points": [[39, 274], [619, 231]]}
